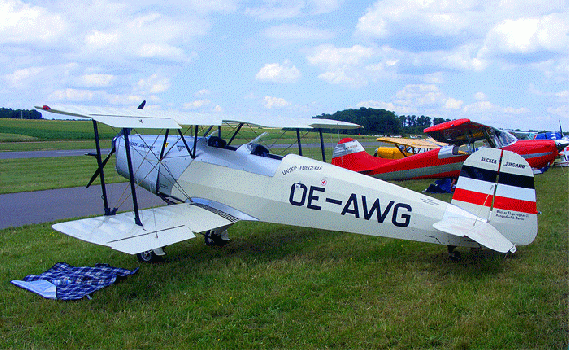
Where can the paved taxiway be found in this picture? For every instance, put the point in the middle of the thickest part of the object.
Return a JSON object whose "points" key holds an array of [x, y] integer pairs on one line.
{"points": [[19, 209], [49, 154]]}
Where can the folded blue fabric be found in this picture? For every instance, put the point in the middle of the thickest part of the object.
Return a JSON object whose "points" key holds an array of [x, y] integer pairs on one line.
{"points": [[66, 282]]}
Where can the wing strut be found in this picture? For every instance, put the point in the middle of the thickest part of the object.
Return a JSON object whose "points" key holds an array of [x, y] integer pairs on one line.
{"points": [[101, 172], [126, 132], [298, 139], [322, 145], [192, 154], [235, 133]]}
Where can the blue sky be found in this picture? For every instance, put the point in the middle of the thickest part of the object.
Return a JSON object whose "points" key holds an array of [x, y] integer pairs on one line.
{"points": [[503, 63]]}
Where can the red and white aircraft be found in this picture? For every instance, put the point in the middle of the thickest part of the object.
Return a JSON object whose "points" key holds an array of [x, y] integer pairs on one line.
{"points": [[211, 184], [463, 137]]}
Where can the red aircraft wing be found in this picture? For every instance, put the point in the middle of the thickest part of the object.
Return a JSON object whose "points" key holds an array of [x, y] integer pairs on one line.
{"points": [[458, 131]]}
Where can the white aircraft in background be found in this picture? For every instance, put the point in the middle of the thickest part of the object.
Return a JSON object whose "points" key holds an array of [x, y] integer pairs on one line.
{"points": [[211, 185]]}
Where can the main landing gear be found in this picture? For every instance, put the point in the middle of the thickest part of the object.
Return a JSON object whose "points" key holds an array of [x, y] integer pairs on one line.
{"points": [[452, 253], [216, 237], [151, 256]]}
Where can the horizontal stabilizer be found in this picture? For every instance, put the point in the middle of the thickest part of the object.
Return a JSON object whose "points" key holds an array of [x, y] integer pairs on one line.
{"points": [[461, 223], [162, 226]]}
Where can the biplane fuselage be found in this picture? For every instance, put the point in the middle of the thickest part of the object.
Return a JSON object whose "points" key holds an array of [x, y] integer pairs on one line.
{"points": [[290, 190]]}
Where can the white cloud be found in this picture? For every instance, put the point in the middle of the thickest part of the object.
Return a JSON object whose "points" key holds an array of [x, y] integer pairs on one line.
{"points": [[276, 9], [297, 32], [21, 77], [153, 85], [331, 56], [111, 32], [97, 80], [197, 104], [420, 25], [24, 23], [343, 65], [420, 95], [278, 73], [284, 9], [451, 103], [530, 35], [203, 92], [97, 40], [470, 35], [277, 102], [480, 96], [74, 95]]}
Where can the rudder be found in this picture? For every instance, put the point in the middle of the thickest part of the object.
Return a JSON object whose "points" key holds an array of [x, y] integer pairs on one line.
{"points": [[498, 185]]}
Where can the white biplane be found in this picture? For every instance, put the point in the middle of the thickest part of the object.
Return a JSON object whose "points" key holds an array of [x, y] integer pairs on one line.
{"points": [[211, 184]]}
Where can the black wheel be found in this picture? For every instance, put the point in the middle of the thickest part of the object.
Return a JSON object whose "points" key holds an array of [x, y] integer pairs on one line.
{"points": [[148, 256], [452, 253], [212, 239], [454, 256]]}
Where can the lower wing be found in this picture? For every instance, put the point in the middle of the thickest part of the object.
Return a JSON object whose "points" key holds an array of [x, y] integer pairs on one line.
{"points": [[161, 226]]}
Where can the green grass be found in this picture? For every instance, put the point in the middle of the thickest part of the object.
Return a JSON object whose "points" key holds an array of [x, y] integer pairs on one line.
{"points": [[15, 138], [37, 174], [284, 287], [54, 129], [23, 146]]}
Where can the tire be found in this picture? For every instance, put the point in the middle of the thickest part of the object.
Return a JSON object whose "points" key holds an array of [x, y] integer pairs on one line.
{"points": [[147, 257]]}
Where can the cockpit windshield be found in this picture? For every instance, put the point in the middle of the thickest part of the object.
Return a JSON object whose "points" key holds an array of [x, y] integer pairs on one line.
{"points": [[504, 138]]}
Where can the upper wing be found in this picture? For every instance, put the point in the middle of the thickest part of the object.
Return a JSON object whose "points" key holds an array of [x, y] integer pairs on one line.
{"points": [[161, 227], [153, 119], [459, 131], [415, 143], [135, 118]]}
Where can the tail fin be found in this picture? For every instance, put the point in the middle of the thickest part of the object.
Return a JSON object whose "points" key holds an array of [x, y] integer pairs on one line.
{"points": [[498, 185], [351, 155]]}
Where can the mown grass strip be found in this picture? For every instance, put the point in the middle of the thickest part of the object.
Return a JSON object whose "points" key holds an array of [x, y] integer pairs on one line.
{"points": [[37, 174]]}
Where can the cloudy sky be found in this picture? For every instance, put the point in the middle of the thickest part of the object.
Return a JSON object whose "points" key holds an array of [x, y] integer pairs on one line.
{"points": [[503, 63]]}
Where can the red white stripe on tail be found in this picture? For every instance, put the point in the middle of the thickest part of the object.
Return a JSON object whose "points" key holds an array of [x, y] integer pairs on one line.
{"points": [[499, 185]]}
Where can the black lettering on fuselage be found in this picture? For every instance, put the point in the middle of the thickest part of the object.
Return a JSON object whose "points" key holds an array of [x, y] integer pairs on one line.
{"points": [[351, 206], [406, 217], [293, 199], [313, 198], [400, 212], [375, 207]]}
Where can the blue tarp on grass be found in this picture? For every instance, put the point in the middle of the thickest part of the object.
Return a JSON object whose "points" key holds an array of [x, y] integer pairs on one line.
{"points": [[66, 282]]}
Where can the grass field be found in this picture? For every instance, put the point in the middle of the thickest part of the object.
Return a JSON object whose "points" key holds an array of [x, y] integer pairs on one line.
{"points": [[284, 287]]}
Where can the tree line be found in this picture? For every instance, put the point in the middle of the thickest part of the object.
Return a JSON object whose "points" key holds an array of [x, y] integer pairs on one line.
{"points": [[383, 122], [20, 113]]}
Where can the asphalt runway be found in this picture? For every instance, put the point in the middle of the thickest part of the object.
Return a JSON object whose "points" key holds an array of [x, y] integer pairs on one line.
{"points": [[23, 208], [53, 153]]}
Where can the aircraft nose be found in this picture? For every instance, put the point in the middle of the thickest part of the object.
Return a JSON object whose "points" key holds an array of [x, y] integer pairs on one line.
{"points": [[561, 144]]}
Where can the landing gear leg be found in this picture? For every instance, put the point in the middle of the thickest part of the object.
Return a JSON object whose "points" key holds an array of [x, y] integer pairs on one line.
{"points": [[452, 253]]}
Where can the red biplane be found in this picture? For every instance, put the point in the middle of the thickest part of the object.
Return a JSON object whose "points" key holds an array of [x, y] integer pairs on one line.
{"points": [[463, 137]]}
